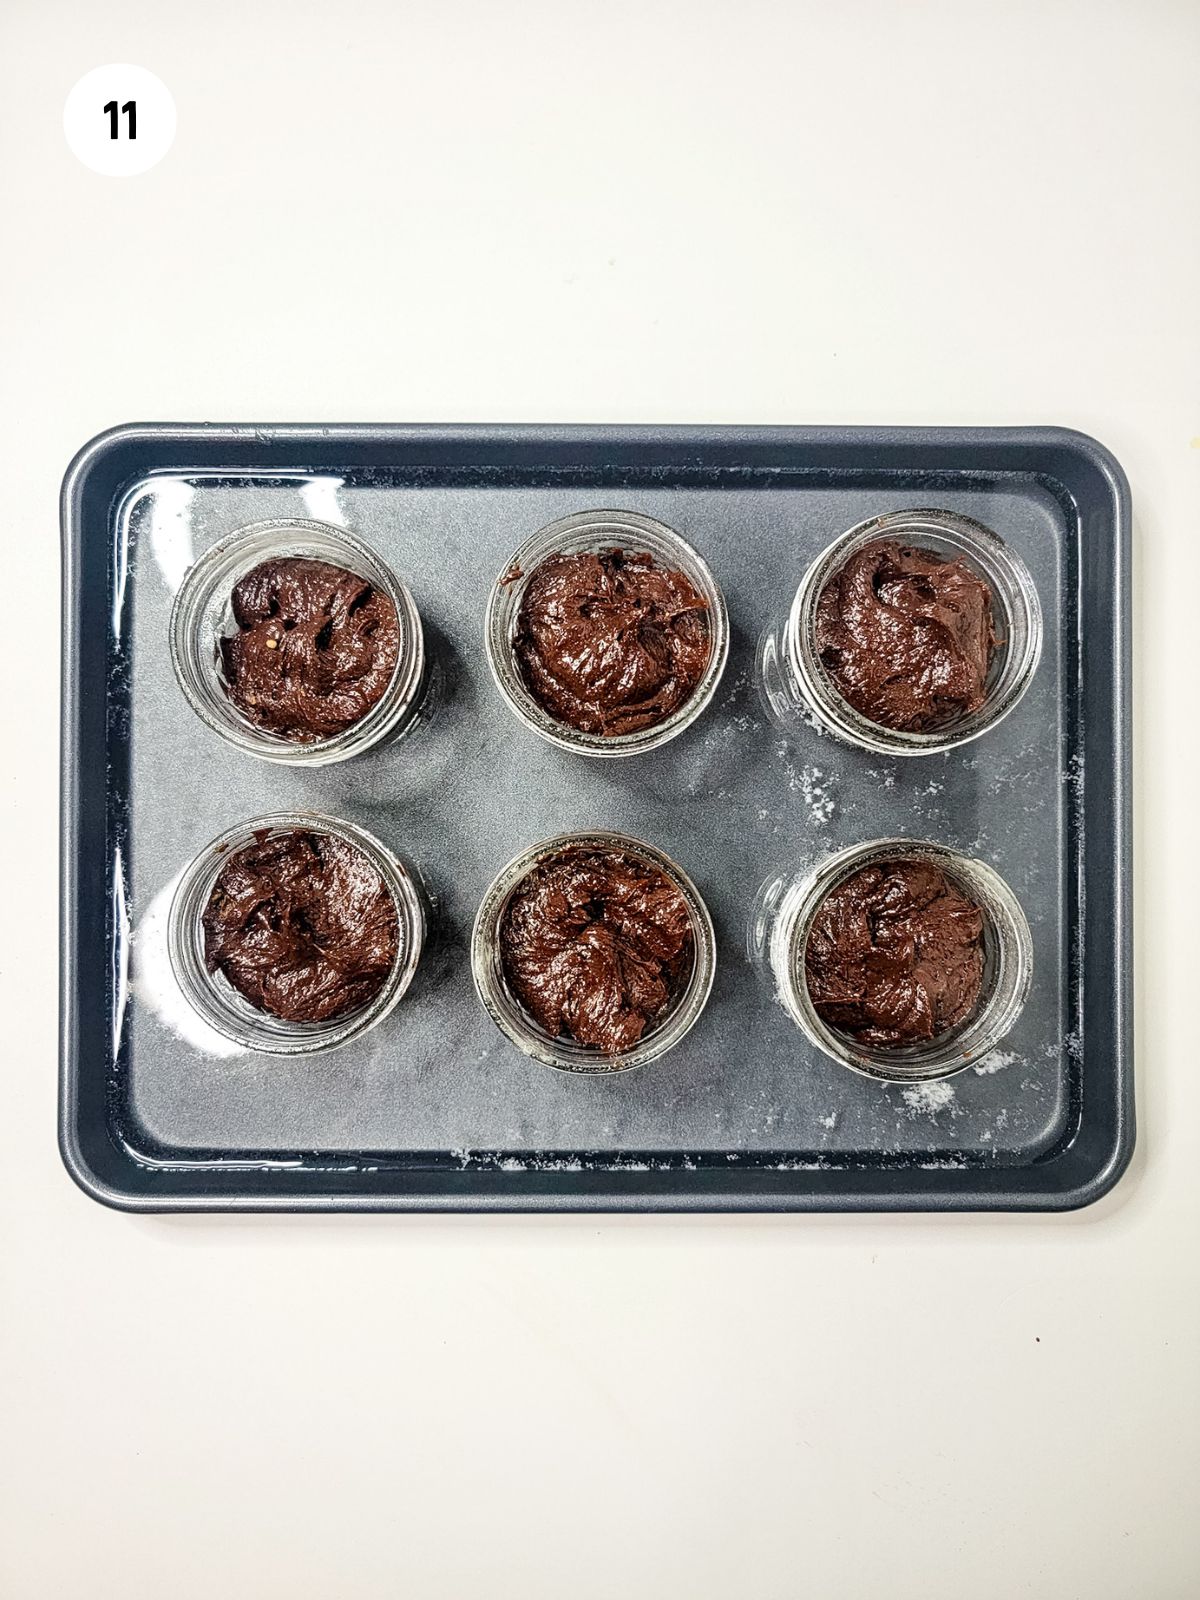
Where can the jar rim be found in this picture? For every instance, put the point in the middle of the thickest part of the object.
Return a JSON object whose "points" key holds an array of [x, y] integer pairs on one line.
{"points": [[209, 582], [1014, 594], [511, 1017], [598, 530], [221, 1006]]}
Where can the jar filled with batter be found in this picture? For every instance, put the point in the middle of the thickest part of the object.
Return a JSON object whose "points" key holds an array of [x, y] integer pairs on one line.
{"points": [[910, 634], [903, 959], [593, 952], [606, 633], [295, 932], [296, 643]]}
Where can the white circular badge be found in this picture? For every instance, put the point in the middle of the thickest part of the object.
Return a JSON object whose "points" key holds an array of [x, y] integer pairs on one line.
{"points": [[120, 120]]}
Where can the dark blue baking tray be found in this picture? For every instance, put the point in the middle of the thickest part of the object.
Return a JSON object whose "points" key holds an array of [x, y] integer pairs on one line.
{"points": [[433, 1110]]}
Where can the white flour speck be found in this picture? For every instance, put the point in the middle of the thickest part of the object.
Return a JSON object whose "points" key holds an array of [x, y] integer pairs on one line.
{"points": [[816, 795], [810, 720], [811, 784], [995, 1061], [928, 1098]]}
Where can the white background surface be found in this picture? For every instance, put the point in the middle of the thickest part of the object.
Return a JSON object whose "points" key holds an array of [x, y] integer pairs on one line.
{"points": [[633, 212]]}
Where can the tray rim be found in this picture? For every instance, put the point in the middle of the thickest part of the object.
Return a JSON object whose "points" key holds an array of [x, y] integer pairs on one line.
{"points": [[1077, 1176]]}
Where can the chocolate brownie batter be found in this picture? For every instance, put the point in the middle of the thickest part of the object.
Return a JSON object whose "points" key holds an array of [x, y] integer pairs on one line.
{"points": [[303, 925], [596, 945], [611, 643], [315, 649], [907, 637], [895, 954]]}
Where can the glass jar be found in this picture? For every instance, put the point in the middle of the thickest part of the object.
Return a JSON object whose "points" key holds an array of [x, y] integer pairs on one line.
{"points": [[216, 1000], [590, 532], [203, 615], [783, 916], [511, 1017], [798, 690]]}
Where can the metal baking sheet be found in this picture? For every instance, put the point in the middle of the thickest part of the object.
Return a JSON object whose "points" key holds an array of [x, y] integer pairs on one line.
{"points": [[434, 1108]]}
